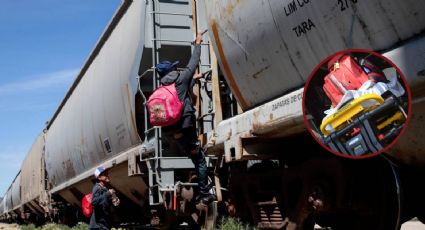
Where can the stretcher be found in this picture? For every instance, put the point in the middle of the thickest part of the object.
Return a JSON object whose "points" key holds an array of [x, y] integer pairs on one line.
{"points": [[364, 125]]}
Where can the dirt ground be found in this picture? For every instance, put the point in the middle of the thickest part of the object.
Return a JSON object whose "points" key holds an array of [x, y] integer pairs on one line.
{"points": [[8, 226]]}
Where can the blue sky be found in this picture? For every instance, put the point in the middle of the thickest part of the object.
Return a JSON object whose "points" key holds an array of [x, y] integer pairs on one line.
{"points": [[43, 44]]}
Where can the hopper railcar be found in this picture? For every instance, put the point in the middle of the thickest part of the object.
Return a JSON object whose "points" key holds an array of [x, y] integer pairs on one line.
{"points": [[256, 59]]}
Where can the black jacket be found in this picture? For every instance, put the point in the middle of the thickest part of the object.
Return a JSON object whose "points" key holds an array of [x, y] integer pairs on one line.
{"points": [[184, 82], [101, 202]]}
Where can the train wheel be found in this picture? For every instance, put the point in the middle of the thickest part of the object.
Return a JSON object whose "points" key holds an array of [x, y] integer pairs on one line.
{"points": [[253, 193], [341, 194], [330, 192]]}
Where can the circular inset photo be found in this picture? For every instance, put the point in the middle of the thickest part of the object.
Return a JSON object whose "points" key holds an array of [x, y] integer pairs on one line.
{"points": [[356, 103]]}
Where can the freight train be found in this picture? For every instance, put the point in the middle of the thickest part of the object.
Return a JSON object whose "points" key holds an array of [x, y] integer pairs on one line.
{"points": [[265, 168]]}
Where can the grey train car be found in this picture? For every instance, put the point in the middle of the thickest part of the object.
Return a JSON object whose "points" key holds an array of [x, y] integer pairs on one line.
{"points": [[256, 58], [266, 51], [2, 209], [34, 195], [101, 119], [16, 195], [12, 201]]}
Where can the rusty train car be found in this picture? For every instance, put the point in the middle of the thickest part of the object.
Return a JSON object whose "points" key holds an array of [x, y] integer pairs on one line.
{"points": [[266, 168]]}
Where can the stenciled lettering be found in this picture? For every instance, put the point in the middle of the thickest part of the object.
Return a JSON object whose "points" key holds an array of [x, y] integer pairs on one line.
{"points": [[304, 27], [344, 4], [301, 3], [294, 5], [290, 8], [286, 101]]}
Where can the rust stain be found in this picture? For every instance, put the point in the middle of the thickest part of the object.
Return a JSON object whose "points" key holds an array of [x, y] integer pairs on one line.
{"points": [[226, 67], [229, 135], [132, 115], [230, 7]]}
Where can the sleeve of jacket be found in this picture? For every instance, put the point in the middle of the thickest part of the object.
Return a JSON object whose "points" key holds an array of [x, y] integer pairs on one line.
{"points": [[99, 197], [186, 75]]}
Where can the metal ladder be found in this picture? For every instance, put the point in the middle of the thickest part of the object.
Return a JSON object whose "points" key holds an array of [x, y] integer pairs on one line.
{"points": [[161, 181]]}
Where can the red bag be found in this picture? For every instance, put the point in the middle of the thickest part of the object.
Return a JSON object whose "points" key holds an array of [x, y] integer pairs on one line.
{"points": [[164, 106], [86, 205], [345, 74]]}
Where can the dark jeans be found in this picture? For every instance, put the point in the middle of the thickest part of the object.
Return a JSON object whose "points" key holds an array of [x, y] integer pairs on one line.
{"points": [[189, 145]]}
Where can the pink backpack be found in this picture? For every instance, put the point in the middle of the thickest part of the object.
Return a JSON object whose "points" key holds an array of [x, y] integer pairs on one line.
{"points": [[164, 106]]}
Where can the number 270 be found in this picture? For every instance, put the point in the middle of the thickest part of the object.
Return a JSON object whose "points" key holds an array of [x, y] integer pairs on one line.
{"points": [[344, 4]]}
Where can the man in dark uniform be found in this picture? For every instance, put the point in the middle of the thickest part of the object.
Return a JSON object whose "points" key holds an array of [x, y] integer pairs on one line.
{"points": [[185, 130]]}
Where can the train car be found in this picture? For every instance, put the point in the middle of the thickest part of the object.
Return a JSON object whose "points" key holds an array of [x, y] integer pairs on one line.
{"points": [[16, 196], [34, 197], [101, 119], [294, 30], [12, 201], [2, 209], [95, 121], [8, 204], [267, 169], [267, 79]]}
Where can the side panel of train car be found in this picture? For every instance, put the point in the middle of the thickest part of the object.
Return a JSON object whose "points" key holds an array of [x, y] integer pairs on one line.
{"points": [[410, 59], [8, 200], [15, 192], [97, 122], [33, 179], [96, 119], [300, 34], [296, 35], [2, 211]]}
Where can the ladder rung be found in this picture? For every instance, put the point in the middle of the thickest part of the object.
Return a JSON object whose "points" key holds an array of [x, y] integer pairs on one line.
{"points": [[170, 40], [189, 184], [182, 41], [147, 71], [208, 71], [154, 204], [204, 115], [153, 128], [207, 120], [168, 13]]}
